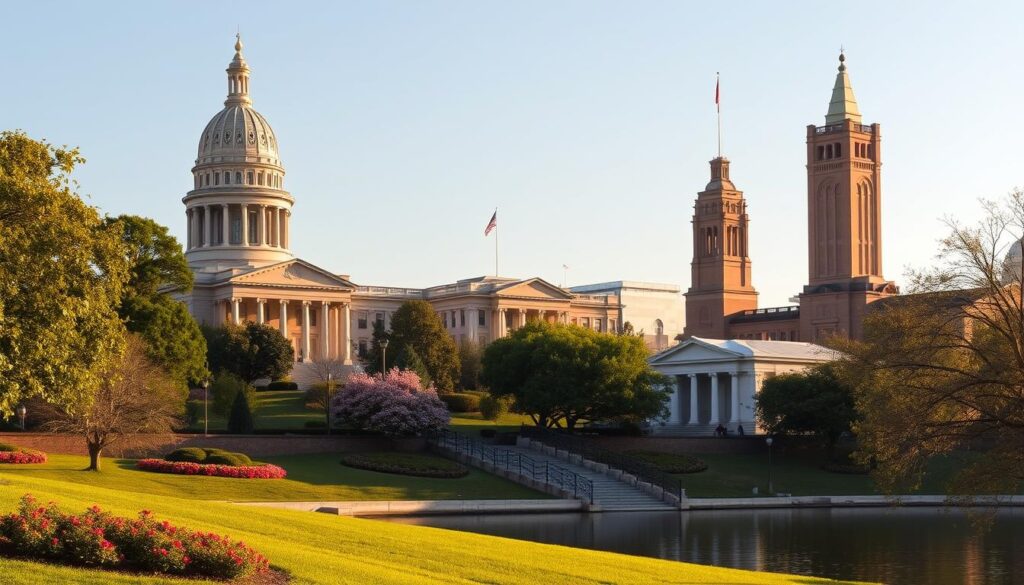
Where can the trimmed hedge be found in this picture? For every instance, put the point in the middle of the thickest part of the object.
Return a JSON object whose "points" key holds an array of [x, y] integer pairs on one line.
{"points": [[282, 385], [255, 471], [98, 539], [406, 464], [461, 402], [670, 462], [15, 455]]}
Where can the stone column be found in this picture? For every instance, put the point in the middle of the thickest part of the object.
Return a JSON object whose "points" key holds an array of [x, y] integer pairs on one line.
{"points": [[674, 411], [236, 311], [207, 225], [347, 340], [286, 228], [474, 319], [245, 224], [261, 238], [226, 224], [520, 318], [283, 325], [502, 323], [305, 331], [734, 389], [260, 308], [325, 329], [714, 399], [693, 400], [276, 233]]}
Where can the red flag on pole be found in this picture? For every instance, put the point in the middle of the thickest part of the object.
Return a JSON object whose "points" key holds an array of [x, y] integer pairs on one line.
{"points": [[491, 224], [718, 106]]}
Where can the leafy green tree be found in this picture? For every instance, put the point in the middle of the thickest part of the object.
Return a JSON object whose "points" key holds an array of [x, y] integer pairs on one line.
{"points": [[240, 422], [158, 267], [470, 354], [492, 408], [61, 277], [408, 359], [814, 402], [251, 351], [225, 388], [562, 374], [374, 354], [416, 324]]}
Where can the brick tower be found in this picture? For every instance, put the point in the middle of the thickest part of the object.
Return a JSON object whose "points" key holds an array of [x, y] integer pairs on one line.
{"points": [[720, 272], [843, 218]]}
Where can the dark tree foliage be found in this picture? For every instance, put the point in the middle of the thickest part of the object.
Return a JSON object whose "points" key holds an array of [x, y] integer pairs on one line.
{"points": [[240, 422], [562, 374], [814, 402], [470, 356], [374, 354], [416, 324], [251, 351]]}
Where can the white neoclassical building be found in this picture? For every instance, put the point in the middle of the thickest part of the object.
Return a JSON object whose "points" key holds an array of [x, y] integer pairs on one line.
{"points": [[717, 380], [239, 216]]}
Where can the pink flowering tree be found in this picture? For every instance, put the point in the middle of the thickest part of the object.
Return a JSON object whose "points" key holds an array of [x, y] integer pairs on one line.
{"points": [[395, 404]]}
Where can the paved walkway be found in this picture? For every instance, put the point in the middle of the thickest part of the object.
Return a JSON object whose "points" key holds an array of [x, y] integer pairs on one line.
{"points": [[426, 507], [610, 494]]}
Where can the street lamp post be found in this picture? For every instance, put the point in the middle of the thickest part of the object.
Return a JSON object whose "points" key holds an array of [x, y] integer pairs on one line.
{"points": [[769, 441], [205, 385], [22, 413], [383, 356], [330, 389]]}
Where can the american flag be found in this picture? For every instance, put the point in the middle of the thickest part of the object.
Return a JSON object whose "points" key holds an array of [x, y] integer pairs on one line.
{"points": [[491, 224]]}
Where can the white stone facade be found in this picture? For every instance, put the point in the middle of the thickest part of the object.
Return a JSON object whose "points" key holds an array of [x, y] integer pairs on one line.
{"points": [[656, 310]]}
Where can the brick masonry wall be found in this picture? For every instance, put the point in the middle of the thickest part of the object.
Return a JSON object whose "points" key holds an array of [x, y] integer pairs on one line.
{"points": [[157, 445]]}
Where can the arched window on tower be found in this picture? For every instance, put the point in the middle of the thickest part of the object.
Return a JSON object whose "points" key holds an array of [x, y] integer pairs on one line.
{"points": [[238, 177], [249, 178]]}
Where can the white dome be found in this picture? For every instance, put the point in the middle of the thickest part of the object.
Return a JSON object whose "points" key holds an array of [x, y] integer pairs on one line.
{"points": [[238, 133]]}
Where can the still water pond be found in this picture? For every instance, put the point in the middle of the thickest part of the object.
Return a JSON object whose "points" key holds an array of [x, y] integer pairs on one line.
{"points": [[897, 546]]}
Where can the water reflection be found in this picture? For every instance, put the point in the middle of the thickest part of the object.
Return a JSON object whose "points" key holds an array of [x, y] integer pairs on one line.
{"points": [[897, 546]]}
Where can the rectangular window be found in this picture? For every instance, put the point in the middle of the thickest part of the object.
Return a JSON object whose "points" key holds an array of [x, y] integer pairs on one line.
{"points": [[253, 226], [611, 326], [216, 178], [227, 177], [597, 324], [462, 317], [361, 320], [238, 177], [249, 177], [839, 150], [362, 348], [821, 152], [445, 317], [379, 318], [480, 319], [586, 322]]}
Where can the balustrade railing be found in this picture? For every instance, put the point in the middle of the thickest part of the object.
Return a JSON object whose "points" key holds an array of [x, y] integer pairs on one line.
{"points": [[509, 460], [582, 446]]}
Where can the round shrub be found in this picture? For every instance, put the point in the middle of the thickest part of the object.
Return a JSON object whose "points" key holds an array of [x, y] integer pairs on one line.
{"points": [[8, 447], [396, 405], [492, 408], [670, 462], [461, 402], [190, 454], [413, 464], [232, 459], [282, 385]]}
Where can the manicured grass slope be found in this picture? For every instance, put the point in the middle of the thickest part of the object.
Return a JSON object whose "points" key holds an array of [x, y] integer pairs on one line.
{"points": [[316, 548], [310, 478], [473, 422]]}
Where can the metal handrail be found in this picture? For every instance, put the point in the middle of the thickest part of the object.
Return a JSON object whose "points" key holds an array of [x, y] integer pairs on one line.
{"points": [[580, 446], [544, 471]]}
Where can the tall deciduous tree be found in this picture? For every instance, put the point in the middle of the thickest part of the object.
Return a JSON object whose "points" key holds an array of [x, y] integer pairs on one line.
{"points": [[814, 402], [561, 374], [942, 369], [251, 351], [136, 397], [158, 267], [417, 325], [61, 277]]}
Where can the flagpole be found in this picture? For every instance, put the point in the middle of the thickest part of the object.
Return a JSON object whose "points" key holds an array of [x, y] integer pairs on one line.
{"points": [[495, 243]]}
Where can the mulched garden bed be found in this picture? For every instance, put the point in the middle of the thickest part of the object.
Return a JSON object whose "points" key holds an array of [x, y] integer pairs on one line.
{"points": [[407, 464]]}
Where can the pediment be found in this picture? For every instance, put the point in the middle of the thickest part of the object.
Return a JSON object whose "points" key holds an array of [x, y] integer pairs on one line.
{"points": [[694, 350], [293, 274], [535, 288]]}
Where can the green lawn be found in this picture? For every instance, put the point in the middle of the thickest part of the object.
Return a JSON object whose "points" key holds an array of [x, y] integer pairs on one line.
{"points": [[473, 422], [317, 548], [310, 478], [275, 410], [734, 476]]}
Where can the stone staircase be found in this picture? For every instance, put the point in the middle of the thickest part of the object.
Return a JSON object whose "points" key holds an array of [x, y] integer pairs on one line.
{"points": [[610, 494]]}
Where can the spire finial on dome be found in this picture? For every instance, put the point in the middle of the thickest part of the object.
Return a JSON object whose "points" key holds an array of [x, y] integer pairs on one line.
{"points": [[238, 77], [843, 106]]}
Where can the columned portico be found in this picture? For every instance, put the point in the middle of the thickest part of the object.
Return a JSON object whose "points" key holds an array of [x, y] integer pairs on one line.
{"points": [[305, 357]]}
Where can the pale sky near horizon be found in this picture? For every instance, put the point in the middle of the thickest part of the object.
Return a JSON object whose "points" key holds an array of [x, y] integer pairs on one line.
{"points": [[402, 125]]}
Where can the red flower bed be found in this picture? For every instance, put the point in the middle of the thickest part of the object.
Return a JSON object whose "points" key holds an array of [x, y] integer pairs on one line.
{"points": [[265, 471], [98, 539], [22, 456]]}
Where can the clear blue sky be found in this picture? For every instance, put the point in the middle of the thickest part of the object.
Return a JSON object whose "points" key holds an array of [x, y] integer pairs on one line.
{"points": [[588, 124]]}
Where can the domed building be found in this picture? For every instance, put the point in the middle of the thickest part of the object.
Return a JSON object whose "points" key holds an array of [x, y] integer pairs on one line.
{"points": [[238, 246]]}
